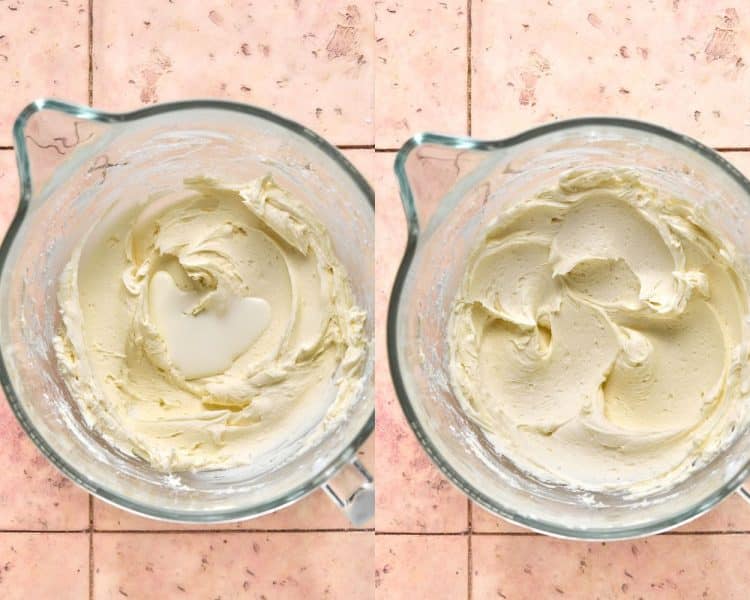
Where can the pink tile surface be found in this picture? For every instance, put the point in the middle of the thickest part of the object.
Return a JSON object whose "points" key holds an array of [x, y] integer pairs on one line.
{"points": [[409, 567], [420, 70], [33, 494], [485, 522], [733, 514], [413, 496], [312, 65], [233, 565], [43, 52], [44, 566], [8, 189], [691, 566], [741, 160], [359, 81], [683, 64]]}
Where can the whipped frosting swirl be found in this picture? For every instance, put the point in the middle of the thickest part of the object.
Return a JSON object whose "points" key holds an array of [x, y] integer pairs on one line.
{"points": [[600, 335]]}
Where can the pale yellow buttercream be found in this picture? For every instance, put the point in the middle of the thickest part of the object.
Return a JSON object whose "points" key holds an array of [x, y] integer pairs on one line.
{"points": [[219, 243], [600, 335]]}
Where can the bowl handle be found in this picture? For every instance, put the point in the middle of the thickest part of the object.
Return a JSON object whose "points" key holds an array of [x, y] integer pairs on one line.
{"points": [[49, 134], [429, 166], [353, 491]]}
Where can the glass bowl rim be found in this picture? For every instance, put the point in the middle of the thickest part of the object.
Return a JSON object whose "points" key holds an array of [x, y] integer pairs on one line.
{"points": [[409, 206], [70, 471]]}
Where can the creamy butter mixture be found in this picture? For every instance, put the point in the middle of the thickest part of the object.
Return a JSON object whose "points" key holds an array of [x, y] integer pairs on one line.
{"points": [[600, 336], [205, 330]]}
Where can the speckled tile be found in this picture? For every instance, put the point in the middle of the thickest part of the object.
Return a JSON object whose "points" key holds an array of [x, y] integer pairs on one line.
{"points": [[44, 566], [409, 567], [312, 65], [741, 160], [485, 522], [33, 494], [8, 189], [733, 514], [316, 511], [420, 69], [412, 495], [689, 566], [43, 52], [536, 61], [233, 565]]}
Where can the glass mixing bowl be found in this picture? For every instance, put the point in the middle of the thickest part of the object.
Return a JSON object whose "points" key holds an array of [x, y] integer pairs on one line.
{"points": [[451, 189], [74, 164]]}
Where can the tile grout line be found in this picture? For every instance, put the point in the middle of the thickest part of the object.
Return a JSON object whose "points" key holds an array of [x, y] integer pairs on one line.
{"points": [[227, 531], [469, 569], [468, 67], [425, 533], [374, 84], [469, 512], [91, 52], [45, 531], [91, 530], [91, 547], [90, 84], [469, 557]]}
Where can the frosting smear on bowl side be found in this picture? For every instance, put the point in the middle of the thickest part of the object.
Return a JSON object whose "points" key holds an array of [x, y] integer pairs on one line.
{"points": [[600, 336], [208, 330]]}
